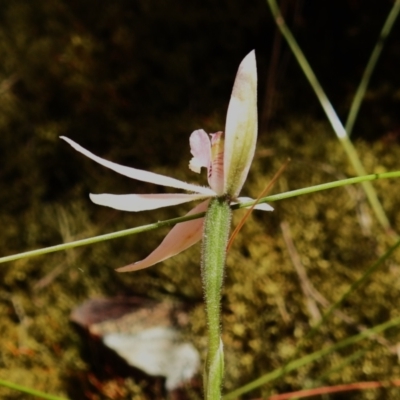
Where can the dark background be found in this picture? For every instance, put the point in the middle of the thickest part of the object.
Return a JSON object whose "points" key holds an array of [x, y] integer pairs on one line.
{"points": [[136, 77], [130, 80]]}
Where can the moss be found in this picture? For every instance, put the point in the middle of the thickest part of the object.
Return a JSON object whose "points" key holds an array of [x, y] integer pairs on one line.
{"points": [[265, 312], [105, 76]]}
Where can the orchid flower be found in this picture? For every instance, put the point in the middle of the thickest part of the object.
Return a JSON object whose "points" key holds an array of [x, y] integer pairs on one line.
{"points": [[227, 159]]}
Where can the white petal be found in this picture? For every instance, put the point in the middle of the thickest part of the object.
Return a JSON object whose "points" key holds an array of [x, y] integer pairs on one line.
{"points": [[262, 206], [195, 166], [241, 127], [200, 147], [139, 174], [142, 202], [179, 238]]}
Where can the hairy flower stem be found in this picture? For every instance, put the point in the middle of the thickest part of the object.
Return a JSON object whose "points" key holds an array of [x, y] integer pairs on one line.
{"points": [[215, 239]]}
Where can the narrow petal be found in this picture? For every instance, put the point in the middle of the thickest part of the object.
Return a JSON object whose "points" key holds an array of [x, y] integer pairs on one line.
{"points": [[142, 202], [139, 174], [200, 147], [180, 237], [241, 127], [262, 206]]}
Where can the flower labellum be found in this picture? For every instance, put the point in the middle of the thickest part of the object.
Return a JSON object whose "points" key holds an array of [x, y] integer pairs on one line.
{"points": [[227, 158]]}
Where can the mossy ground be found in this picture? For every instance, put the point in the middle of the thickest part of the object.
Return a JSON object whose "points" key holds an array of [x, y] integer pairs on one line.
{"points": [[130, 81], [266, 312]]}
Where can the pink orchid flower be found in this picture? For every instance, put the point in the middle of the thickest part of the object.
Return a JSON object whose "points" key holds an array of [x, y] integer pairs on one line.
{"points": [[227, 159]]}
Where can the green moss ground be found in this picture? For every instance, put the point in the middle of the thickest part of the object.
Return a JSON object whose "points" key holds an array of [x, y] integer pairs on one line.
{"points": [[131, 81], [265, 311]]}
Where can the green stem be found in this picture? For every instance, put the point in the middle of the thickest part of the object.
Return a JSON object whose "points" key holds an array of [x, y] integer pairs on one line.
{"points": [[352, 288], [215, 240], [309, 358], [368, 188], [362, 88], [330, 113], [30, 391], [173, 221], [294, 364]]}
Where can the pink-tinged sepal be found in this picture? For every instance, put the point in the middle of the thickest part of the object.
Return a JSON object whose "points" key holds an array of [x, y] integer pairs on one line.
{"points": [[180, 237], [241, 127], [140, 174]]}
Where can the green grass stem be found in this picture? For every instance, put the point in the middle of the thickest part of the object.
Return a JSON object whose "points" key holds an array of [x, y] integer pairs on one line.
{"points": [[333, 118], [354, 286], [373, 60], [173, 221], [30, 391], [309, 358]]}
